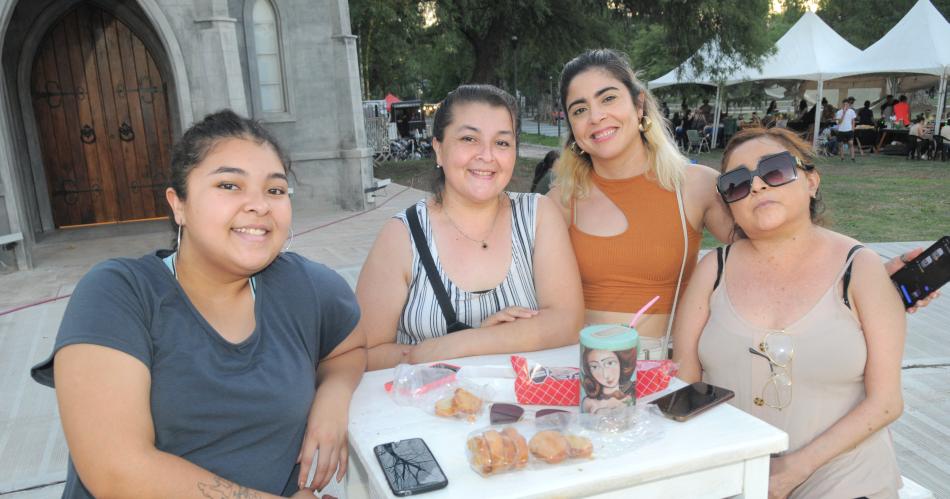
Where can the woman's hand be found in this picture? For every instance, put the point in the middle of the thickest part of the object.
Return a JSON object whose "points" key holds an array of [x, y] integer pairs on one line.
{"points": [[338, 375], [785, 473], [897, 263], [509, 314], [326, 431]]}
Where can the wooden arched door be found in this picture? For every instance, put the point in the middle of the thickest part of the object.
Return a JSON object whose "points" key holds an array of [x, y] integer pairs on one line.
{"points": [[101, 109]]}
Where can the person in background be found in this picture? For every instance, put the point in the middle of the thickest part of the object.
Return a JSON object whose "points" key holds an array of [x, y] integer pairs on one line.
{"points": [[827, 111], [485, 271], [825, 365], [191, 372], [945, 138], [844, 118], [887, 107], [902, 111], [544, 173], [866, 115], [802, 110], [707, 111], [772, 109]]}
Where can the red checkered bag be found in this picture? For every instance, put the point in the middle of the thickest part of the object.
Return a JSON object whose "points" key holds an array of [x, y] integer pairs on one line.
{"points": [[539, 385], [654, 375]]}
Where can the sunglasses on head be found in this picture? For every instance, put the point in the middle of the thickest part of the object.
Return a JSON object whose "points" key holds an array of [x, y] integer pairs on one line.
{"points": [[775, 170], [501, 413]]}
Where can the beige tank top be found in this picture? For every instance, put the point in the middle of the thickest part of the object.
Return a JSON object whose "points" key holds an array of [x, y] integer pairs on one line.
{"points": [[827, 373]]}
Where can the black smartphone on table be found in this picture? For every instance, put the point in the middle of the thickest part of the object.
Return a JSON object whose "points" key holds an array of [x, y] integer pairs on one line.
{"points": [[924, 274], [691, 400], [410, 467]]}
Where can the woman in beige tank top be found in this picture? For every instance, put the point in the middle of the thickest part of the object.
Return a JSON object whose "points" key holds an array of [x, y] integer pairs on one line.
{"points": [[802, 323]]}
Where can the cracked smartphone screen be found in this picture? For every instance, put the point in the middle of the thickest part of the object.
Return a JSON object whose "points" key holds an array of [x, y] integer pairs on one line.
{"points": [[410, 467]]}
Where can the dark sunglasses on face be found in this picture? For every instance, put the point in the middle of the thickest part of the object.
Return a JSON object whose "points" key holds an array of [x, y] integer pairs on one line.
{"points": [[775, 170]]}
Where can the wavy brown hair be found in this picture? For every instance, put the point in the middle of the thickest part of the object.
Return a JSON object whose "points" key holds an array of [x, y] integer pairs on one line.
{"points": [[626, 382], [793, 144]]}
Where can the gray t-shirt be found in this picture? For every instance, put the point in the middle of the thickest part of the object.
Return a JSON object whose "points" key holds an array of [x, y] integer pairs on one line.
{"points": [[236, 410]]}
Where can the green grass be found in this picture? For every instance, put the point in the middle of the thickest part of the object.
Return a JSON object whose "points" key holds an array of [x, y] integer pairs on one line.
{"points": [[878, 198], [542, 140]]}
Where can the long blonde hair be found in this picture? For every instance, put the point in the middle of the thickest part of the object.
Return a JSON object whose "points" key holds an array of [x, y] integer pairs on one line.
{"points": [[667, 165]]}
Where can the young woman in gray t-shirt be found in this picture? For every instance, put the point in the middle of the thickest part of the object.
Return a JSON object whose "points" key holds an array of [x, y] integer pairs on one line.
{"points": [[191, 373]]}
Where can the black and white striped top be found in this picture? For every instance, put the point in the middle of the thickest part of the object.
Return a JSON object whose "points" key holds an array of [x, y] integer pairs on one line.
{"points": [[422, 318]]}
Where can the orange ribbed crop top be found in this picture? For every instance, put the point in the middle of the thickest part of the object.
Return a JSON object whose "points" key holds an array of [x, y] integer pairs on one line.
{"points": [[622, 273]]}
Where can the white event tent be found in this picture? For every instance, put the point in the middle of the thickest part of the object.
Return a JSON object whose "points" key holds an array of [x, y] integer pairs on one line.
{"points": [[918, 43], [810, 50]]}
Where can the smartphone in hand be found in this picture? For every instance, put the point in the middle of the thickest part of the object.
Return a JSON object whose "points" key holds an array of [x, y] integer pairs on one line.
{"points": [[410, 467], [924, 274], [691, 400]]}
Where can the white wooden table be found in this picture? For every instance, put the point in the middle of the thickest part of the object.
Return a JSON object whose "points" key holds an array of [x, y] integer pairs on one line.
{"points": [[722, 452]]}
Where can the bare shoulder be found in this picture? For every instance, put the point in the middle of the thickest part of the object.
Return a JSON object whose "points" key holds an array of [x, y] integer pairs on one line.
{"points": [[864, 259], [706, 266], [394, 229], [393, 242], [701, 174], [554, 196]]}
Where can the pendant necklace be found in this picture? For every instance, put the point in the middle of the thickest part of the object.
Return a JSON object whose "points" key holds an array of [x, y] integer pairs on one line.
{"points": [[482, 242]]}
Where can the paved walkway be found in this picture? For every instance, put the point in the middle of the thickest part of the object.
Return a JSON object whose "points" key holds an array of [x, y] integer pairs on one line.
{"points": [[32, 447]]}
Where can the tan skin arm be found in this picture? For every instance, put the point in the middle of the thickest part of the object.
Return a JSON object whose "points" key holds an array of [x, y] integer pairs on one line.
{"points": [[104, 406], [884, 323], [700, 195], [382, 291], [689, 323], [383, 288], [338, 375]]}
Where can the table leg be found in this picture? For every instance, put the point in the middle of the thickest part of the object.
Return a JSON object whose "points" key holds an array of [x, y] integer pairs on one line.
{"points": [[756, 480], [880, 143]]}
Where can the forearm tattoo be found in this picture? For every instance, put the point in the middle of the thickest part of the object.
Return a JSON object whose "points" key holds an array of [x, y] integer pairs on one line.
{"points": [[223, 489]]}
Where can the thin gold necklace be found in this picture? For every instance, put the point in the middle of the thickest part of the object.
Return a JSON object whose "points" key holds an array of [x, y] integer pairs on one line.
{"points": [[482, 242]]}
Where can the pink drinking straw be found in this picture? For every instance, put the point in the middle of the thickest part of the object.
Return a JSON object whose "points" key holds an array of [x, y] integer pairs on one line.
{"points": [[640, 312]]}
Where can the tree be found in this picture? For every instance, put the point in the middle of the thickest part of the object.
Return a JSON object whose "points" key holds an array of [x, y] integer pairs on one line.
{"points": [[387, 31], [863, 22], [431, 46], [738, 26]]}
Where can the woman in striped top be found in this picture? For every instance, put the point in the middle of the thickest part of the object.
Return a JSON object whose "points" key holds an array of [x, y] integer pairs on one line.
{"points": [[504, 259]]}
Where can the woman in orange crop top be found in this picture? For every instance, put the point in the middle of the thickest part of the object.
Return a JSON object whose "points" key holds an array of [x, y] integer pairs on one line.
{"points": [[617, 184]]}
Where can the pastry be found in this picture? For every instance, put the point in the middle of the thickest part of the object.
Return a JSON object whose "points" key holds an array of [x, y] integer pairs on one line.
{"points": [[549, 446], [461, 403], [521, 446], [481, 458], [579, 446], [496, 448], [466, 402], [445, 407]]}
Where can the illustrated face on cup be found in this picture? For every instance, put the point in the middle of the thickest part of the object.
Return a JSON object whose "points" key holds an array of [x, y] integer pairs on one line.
{"points": [[604, 366]]}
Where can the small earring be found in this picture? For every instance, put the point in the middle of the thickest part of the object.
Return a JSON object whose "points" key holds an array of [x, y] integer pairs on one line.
{"points": [[438, 165], [576, 149], [289, 240], [178, 241], [645, 124]]}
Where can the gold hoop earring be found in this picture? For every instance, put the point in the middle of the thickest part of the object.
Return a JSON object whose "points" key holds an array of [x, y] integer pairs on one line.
{"points": [[576, 149], [645, 124]]}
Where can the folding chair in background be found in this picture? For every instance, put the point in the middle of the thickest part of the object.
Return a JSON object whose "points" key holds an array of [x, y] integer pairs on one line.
{"points": [[696, 140]]}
